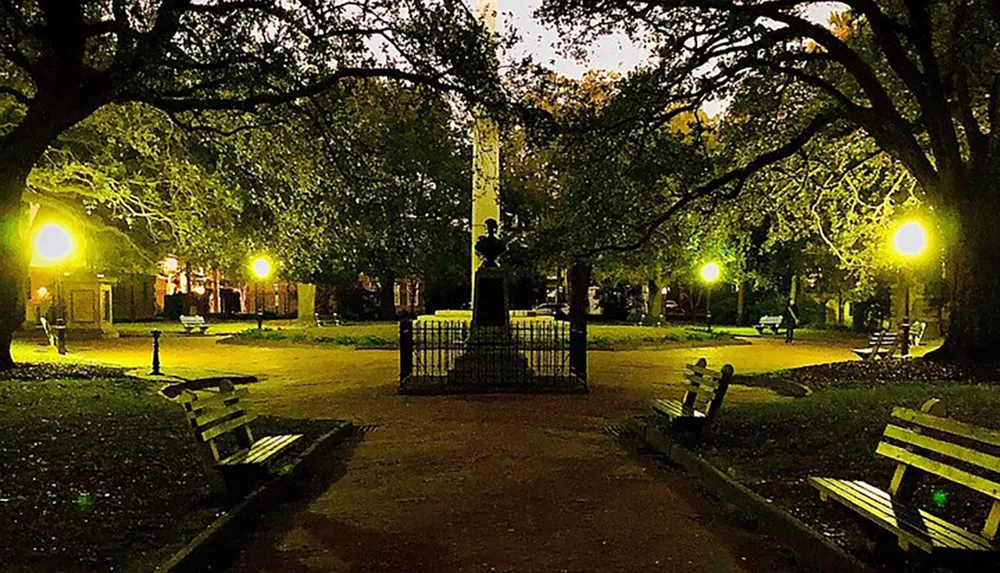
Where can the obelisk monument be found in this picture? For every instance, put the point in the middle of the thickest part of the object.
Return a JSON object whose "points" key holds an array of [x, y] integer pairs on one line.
{"points": [[485, 158]]}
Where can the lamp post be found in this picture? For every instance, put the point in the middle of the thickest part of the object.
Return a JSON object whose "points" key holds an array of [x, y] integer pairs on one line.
{"points": [[262, 270], [53, 246], [910, 241], [709, 273]]}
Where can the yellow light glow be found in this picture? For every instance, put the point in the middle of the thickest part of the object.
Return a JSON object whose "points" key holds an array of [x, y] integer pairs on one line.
{"points": [[910, 239], [170, 265], [53, 244], [261, 268], [42, 293], [710, 272], [199, 289]]}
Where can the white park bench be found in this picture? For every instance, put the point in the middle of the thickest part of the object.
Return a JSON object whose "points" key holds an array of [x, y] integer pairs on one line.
{"points": [[192, 322], [773, 323]]}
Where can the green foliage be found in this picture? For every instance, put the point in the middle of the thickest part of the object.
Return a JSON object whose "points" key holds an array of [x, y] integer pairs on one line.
{"points": [[129, 177]]}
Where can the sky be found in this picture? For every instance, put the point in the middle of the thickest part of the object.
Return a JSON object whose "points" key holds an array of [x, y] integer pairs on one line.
{"points": [[609, 53]]}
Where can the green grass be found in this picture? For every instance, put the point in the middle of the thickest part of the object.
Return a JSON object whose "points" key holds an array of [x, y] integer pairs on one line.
{"points": [[215, 326], [96, 474], [386, 335], [801, 334], [773, 447], [367, 335], [621, 336]]}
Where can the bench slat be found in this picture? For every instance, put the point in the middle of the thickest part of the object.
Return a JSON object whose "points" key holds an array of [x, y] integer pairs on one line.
{"points": [[702, 393], [927, 530], [277, 445], [706, 381], [261, 450], [227, 426], [214, 414], [949, 426], [703, 371], [674, 409], [954, 474], [219, 399], [955, 532], [960, 453], [923, 529]]}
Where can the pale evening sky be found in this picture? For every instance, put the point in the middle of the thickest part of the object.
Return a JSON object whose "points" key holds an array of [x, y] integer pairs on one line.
{"points": [[610, 53]]}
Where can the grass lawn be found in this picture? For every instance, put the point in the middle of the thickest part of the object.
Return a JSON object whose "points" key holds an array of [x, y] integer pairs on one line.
{"points": [[363, 335], [386, 335], [773, 447], [98, 472], [215, 326], [624, 336], [95, 474], [801, 334]]}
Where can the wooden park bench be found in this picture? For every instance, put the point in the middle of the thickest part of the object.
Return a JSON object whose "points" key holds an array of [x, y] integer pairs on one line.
{"points": [[221, 420], [333, 319], [772, 323], [926, 443], [192, 322], [707, 388], [882, 345], [49, 334]]}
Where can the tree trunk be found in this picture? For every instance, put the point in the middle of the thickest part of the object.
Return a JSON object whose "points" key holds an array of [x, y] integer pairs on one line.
{"points": [[387, 297], [741, 309], [52, 112], [973, 255], [13, 257], [579, 290]]}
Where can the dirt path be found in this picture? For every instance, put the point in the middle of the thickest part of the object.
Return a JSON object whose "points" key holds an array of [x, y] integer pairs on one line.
{"points": [[490, 483]]}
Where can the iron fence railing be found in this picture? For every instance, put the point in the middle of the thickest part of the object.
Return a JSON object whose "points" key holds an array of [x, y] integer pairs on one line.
{"points": [[522, 354]]}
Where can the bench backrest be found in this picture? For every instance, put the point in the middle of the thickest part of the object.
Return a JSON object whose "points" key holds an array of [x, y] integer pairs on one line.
{"points": [[196, 320], [884, 340], [220, 414], [707, 387], [769, 320], [927, 441]]}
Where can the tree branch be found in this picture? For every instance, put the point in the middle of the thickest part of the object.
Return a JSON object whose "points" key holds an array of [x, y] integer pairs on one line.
{"points": [[737, 176]]}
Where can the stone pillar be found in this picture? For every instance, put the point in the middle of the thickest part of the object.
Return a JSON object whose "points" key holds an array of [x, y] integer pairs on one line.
{"points": [[485, 158], [306, 303]]}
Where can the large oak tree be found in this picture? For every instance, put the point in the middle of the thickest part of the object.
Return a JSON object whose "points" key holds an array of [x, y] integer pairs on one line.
{"points": [[919, 77], [61, 60]]}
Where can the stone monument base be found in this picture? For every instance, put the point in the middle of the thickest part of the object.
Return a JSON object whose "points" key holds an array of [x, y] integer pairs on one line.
{"points": [[494, 360]]}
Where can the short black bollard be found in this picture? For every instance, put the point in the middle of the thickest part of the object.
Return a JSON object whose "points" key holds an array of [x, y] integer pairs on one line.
{"points": [[61, 335], [260, 319], [405, 350], [156, 354], [578, 349]]}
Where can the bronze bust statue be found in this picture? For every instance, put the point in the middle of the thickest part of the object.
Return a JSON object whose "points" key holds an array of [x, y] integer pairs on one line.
{"points": [[489, 246]]}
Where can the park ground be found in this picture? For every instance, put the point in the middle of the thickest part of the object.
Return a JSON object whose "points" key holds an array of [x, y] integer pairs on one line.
{"points": [[484, 483]]}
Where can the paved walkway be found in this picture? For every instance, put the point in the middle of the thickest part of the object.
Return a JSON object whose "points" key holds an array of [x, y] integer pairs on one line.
{"points": [[490, 483]]}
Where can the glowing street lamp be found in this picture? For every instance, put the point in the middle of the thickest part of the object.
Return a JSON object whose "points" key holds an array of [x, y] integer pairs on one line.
{"points": [[709, 273], [910, 241], [262, 269], [53, 246]]}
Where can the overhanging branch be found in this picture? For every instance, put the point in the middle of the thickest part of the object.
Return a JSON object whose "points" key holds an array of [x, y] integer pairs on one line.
{"points": [[737, 176]]}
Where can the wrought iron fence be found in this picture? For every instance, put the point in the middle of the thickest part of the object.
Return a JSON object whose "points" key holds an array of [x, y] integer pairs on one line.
{"points": [[525, 355]]}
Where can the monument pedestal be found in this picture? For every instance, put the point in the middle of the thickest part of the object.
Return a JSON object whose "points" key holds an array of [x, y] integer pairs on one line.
{"points": [[492, 354]]}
